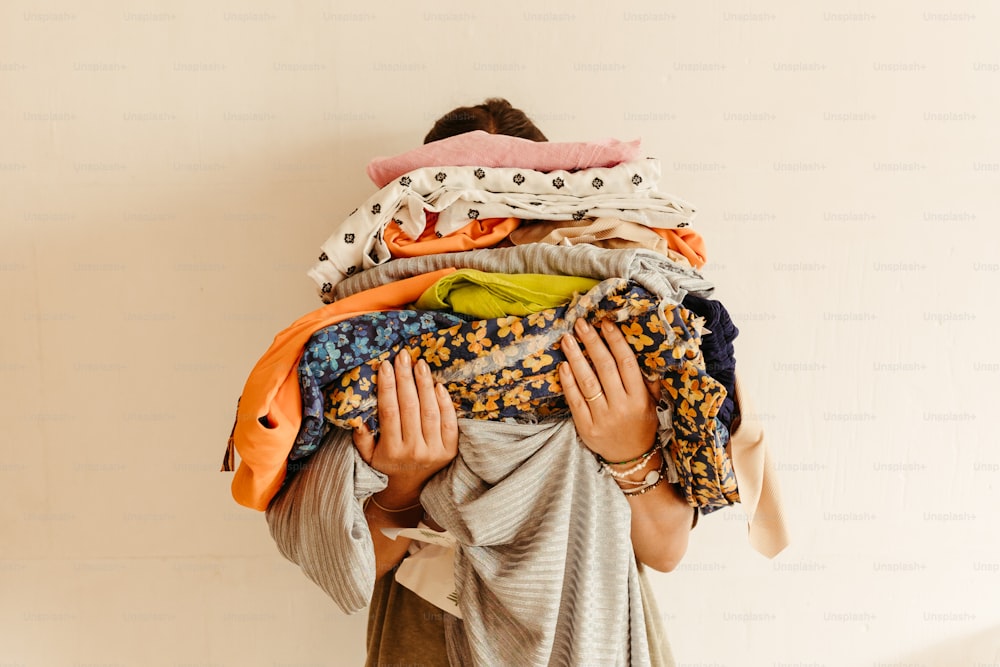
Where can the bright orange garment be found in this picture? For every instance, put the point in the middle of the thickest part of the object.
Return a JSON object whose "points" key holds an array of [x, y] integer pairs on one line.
{"points": [[272, 390], [477, 234], [687, 242]]}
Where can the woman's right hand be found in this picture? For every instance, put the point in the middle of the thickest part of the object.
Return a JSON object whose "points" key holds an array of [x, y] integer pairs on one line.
{"points": [[419, 430]]}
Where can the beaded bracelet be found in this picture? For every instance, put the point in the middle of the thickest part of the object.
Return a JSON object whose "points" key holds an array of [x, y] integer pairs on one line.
{"points": [[660, 476], [650, 477], [644, 455], [643, 461]]}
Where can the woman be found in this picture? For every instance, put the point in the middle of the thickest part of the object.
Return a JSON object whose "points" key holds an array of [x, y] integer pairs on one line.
{"points": [[613, 409]]}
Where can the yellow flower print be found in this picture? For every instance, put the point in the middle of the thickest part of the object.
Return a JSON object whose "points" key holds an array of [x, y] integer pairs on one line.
{"points": [[516, 397], [350, 377], [510, 325], [377, 361], [654, 362], [486, 403], [348, 401], [709, 408], [538, 361], [436, 351], [636, 337], [541, 317], [510, 376], [485, 380], [655, 325], [668, 386], [478, 341], [692, 392]]}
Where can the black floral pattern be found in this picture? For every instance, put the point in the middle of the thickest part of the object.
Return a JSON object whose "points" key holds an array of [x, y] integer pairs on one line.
{"points": [[637, 179], [440, 176], [323, 257], [479, 173], [376, 209], [518, 179], [580, 215], [473, 213], [558, 183], [597, 183], [516, 377], [405, 181], [327, 288], [351, 270], [348, 238]]}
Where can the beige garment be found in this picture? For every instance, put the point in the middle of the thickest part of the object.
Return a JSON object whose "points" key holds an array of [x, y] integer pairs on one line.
{"points": [[605, 232], [404, 629], [759, 493]]}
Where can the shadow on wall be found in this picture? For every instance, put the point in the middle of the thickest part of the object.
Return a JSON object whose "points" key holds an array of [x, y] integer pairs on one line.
{"points": [[981, 649]]}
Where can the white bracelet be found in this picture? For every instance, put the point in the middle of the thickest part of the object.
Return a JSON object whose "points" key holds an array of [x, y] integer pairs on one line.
{"points": [[653, 479], [606, 469]]}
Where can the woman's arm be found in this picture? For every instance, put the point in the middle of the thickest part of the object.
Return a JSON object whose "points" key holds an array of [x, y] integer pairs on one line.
{"points": [[419, 437], [615, 415]]}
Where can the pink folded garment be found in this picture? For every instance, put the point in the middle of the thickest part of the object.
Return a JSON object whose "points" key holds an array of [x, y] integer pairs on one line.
{"points": [[482, 149]]}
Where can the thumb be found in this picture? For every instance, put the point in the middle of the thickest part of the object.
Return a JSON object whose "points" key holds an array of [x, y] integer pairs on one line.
{"points": [[365, 442]]}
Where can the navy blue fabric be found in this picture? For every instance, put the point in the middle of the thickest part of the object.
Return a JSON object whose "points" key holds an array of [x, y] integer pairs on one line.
{"points": [[717, 347]]}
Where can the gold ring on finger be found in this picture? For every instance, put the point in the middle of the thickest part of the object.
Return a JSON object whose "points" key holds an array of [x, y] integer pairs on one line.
{"points": [[594, 397]]}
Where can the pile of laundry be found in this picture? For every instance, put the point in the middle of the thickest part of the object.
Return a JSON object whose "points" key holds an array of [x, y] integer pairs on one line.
{"points": [[477, 254]]}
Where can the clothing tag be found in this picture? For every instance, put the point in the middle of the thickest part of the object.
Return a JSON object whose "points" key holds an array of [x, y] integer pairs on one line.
{"points": [[430, 571]]}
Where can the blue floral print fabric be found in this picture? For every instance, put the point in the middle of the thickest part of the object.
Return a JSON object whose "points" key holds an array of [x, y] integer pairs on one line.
{"points": [[337, 349]]}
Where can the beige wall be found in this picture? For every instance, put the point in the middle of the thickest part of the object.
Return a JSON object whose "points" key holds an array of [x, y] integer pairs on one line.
{"points": [[169, 169]]}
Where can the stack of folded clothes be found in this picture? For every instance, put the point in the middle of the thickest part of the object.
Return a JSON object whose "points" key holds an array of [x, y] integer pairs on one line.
{"points": [[477, 253]]}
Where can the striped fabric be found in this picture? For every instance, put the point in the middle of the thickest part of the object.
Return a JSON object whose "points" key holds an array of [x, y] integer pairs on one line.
{"points": [[545, 567], [668, 280], [318, 523], [545, 564]]}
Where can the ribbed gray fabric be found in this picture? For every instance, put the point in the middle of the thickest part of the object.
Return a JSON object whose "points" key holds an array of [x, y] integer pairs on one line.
{"points": [[318, 522], [668, 280], [546, 571]]}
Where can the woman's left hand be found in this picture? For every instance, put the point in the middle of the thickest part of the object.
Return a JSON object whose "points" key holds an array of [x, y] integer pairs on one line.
{"points": [[613, 408]]}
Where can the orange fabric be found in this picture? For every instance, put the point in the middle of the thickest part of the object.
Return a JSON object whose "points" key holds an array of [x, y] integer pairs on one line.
{"points": [[477, 234], [272, 389], [687, 242]]}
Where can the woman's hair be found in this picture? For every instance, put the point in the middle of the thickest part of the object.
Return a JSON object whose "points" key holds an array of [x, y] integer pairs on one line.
{"points": [[495, 116]]}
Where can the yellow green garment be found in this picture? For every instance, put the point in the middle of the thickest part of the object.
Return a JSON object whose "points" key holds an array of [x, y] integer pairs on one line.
{"points": [[492, 295]]}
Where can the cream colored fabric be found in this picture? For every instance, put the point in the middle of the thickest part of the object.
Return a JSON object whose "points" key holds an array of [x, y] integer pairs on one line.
{"points": [[760, 496], [588, 230], [660, 653]]}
